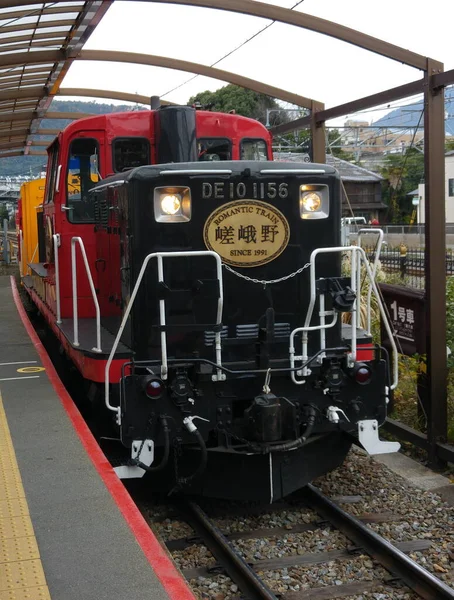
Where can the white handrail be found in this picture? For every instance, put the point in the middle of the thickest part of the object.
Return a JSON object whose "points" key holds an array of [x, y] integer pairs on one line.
{"points": [[74, 241], [159, 256], [21, 253], [56, 239], [362, 255]]}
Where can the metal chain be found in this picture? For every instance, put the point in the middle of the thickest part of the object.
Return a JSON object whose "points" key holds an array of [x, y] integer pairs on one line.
{"points": [[264, 281]]}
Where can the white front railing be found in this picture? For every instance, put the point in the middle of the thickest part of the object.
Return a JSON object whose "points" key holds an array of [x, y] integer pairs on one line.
{"points": [[358, 256], [162, 318]]}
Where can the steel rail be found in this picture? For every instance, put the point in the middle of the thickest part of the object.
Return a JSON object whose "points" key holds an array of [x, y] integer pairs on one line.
{"points": [[234, 564], [410, 572]]}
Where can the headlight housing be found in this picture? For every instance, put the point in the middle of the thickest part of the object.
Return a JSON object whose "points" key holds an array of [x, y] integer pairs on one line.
{"points": [[314, 201], [172, 204]]}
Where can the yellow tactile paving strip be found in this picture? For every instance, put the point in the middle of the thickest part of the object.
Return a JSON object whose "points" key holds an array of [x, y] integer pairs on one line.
{"points": [[21, 572]]}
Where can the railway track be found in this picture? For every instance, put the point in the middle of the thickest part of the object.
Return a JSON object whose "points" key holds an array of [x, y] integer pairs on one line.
{"points": [[248, 576]]}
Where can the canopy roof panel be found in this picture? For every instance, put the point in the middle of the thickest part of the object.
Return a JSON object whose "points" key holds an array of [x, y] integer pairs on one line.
{"points": [[38, 43]]}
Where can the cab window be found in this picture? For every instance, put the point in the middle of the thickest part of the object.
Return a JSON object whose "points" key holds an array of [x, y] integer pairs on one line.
{"points": [[52, 172], [214, 149], [82, 175], [129, 153], [253, 150]]}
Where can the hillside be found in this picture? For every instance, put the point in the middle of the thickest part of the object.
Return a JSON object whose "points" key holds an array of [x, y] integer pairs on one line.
{"points": [[410, 115], [32, 165]]}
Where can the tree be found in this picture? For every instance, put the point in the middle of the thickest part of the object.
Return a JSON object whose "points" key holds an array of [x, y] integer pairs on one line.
{"points": [[241, 100], [4, 214], [333, 137], [403, 173]]}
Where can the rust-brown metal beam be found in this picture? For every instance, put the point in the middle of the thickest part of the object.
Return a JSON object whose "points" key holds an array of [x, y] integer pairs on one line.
{"points": [[109, 94], [397, 93], [28, 79], [25, 116], [4, 48], [6, 133], [12, 145], [443, 79], [88, 17], [435, 269], [49, 10], [51, 35], [31, 58], [23, 93], [183, 65], [318, 134], [34, 26], [291, 17], [17, 71], [11, 153]]}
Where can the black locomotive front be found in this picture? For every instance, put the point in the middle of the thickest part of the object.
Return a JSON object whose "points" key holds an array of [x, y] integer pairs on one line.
{"points": [[210, 325]]}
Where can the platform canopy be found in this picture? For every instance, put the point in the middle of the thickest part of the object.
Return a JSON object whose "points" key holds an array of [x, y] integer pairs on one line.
{"points": [[129, 51], [38, 43]]}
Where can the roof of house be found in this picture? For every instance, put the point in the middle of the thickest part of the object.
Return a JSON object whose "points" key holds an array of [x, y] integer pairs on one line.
{"points": [[348, 171]]}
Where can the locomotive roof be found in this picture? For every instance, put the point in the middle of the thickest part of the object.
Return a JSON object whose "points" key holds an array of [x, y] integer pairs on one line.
{"points": [[222, 167]]}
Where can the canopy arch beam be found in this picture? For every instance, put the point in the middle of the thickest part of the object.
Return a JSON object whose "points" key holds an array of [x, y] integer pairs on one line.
{"points": [[191, 67], [289, 17]]}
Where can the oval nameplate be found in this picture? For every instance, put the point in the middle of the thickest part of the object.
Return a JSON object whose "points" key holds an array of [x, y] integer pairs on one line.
{"points": [[246, 233]]}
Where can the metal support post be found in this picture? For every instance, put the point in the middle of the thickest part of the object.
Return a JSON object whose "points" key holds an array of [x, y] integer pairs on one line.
{"points": [[6, 257], [435, 271], [317, 134]]}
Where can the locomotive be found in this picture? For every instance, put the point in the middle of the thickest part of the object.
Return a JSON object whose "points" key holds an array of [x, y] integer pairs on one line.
{"points": [[198, 289]]}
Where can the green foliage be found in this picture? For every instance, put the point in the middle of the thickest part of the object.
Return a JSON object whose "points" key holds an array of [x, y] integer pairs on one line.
{"points": [[4, 214], [333, 135], [450, 319], [32, 165], [234, 98], [449, 145], [403, 173]]}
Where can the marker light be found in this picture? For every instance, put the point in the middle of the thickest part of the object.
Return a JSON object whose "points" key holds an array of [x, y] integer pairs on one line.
{"points": [[154, 388], [362, 374], [172, 204], [314, 201]]}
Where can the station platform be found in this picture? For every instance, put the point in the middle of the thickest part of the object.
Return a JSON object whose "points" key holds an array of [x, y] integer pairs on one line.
{"points": [[68, 528]]}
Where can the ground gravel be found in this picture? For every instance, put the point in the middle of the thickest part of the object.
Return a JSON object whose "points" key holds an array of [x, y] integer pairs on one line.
{"points": [[417, 515], [423, 515]]}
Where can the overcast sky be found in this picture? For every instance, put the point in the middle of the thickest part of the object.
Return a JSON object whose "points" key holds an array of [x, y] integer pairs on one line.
{"points": [[291, 58]]}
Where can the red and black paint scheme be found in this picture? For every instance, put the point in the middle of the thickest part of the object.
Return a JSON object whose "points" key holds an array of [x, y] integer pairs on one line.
{"points": [[200, 252]]}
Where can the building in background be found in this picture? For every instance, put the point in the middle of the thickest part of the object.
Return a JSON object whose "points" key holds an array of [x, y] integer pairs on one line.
{"points": [[362, 194], [418, 196]]}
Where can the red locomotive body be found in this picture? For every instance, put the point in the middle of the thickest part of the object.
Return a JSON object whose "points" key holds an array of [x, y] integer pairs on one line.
{"points": [[114, 143]]}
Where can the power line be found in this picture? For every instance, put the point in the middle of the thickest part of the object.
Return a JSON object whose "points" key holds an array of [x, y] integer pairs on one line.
{"points": [[229, 53]]}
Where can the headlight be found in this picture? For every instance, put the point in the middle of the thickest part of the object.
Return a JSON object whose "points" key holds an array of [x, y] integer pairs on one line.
{"points": [[311, 201], [172, 204], [314, 201]]}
